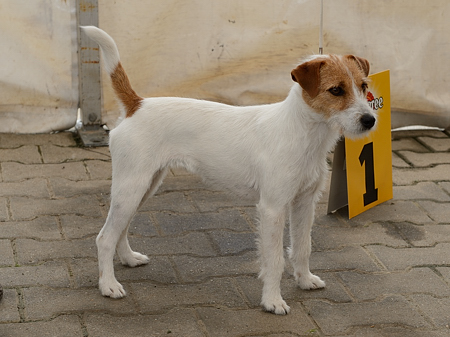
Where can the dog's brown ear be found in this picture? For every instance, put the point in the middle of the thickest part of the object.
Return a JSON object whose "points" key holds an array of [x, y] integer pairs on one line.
{"points": [[361, 62], [308, 76]]}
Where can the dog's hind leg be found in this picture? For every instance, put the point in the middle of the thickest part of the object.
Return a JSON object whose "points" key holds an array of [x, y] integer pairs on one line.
{"points": [[126, 195], [271, 226], [301, 221], [126, 254]]}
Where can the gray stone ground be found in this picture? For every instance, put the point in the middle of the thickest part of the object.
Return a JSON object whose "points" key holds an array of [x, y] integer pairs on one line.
{"points": [[387, 270]]}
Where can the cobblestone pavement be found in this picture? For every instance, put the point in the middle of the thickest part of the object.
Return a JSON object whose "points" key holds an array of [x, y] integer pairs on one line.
{"points": [[387, 270]]}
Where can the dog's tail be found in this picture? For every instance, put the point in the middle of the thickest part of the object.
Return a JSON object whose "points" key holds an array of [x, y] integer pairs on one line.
{"points": [[128, 98]]}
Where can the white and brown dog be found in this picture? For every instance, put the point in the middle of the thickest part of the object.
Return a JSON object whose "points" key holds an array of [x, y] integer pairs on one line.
{"points": [[278, 150]]}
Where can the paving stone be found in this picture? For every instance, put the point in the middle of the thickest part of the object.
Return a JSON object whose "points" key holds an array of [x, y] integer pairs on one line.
{"points": [[85, 272], [251, 215], [194, 269], [392, 211], [348, 258], [68, 188], [99, 170], [329, 220], [44, 228], [178, 322], [338, 237], [158, 270], [213, 201], [254, 322], [426, 159], [18, 172], [437, 144], [229, 219], [179, 171], [153, 298], [61, 326], [28, 154], [36, 188], [445, 185], [337, 318], [403, 258], [399, 162], [32, 251], [439, 212], [408, 144], [373, 331], [427, 235], [233, 243], [412, 176], [402, 332], [58, 154], [182, 183], [252, 288], [52, 274], [311, 332], [437, 309], [203, 255], [170, 202], [445, 271], [45, 303], [418, 133], [142, 225], [11, 140], [25, 208], [422, 190], [6, 253], [78, 227], [8, 308], [3, 210], [372, 286], [196, 244], [101, 149]]}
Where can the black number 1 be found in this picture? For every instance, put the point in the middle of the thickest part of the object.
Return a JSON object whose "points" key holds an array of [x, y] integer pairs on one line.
{"points": [[366, 157]]}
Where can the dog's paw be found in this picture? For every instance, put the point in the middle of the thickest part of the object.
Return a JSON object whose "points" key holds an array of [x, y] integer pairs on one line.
{"points": [[112, 289], [134, 260], [309, 282], [278, 307]]}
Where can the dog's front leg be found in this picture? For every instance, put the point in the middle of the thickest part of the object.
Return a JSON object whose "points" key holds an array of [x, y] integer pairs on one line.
{"points": [[301, 220], [272, 221]]}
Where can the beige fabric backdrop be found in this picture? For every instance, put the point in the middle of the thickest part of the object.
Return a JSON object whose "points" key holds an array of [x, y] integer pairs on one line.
{"points": [[242, 52], [38, 76], [232, 51]]}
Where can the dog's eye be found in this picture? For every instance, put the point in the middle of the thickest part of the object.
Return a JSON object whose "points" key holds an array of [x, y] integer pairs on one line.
{"points": [[337, 91], [364, 86]]}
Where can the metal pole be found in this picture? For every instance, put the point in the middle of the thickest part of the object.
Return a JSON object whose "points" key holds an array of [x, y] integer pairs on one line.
{"points": [[90, 101], [321, 29]]}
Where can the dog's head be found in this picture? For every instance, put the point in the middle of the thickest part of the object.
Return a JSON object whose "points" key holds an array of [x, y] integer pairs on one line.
{"points": [[336, 87]]}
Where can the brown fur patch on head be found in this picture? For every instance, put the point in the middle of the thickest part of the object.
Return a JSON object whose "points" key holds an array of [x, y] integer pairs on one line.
{"points": [[362, 63], [335, 85], [308, 76]]}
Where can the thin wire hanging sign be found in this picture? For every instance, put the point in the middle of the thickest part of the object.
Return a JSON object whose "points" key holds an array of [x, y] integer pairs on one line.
{"points": [[321, 29]]}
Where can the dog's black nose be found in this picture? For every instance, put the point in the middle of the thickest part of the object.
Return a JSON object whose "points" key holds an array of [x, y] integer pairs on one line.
{"points": [[367, 121]]}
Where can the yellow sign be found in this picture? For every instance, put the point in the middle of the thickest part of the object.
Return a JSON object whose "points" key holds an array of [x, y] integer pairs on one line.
{"points": [[362, 169], [369, 160]]}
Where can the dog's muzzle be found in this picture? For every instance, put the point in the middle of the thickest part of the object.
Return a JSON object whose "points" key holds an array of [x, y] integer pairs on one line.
{"points": [[367, 121]]}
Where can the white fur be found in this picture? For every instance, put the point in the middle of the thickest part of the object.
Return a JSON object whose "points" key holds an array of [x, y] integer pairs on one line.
{"points": [[109, 49], [278, 150]]}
